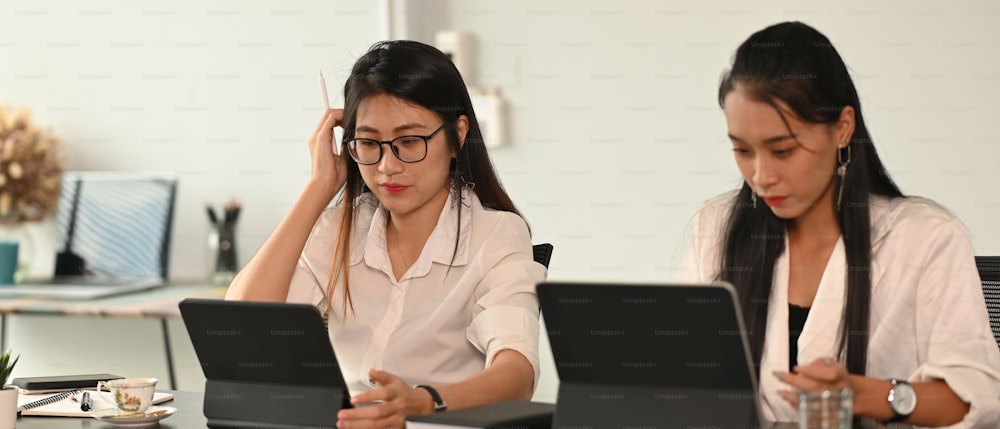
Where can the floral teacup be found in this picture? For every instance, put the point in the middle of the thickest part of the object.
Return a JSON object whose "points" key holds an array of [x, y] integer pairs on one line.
{"points": [[130, 395]]}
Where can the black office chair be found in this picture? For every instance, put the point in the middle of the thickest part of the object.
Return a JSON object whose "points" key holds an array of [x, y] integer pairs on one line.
{"points": [[989, 273], [543, 253]]}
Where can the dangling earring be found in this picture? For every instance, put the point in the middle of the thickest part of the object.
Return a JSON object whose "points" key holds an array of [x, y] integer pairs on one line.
{"points": [[842, 170], [458, 182], [753, 198]]}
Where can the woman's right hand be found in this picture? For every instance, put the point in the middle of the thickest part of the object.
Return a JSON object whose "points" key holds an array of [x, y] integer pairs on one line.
{"points": [[328, 168]]}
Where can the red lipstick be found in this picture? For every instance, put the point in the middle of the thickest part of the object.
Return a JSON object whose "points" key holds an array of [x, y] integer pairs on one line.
{"points": [[775, 201], [393, 188]]}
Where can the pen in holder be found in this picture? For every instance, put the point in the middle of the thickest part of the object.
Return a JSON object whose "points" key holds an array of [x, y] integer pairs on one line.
{"points": [[222, 239]]}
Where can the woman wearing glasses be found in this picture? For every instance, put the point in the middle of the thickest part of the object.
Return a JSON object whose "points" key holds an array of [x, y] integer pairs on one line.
{"points": [[424, 266], [843, 281]]}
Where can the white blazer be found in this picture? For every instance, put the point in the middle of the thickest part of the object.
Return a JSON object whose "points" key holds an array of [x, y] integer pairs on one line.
{"points": [[928, 314]]}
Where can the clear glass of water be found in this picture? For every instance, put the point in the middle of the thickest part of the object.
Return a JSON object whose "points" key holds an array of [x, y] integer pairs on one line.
{"points": [[826, 409]]}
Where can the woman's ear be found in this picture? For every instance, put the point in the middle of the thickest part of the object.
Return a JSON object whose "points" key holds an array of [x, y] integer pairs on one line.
{"points": [[462, 129], [844, 128]]}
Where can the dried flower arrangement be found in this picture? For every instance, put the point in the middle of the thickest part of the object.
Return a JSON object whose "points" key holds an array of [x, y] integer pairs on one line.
{"points": [[30, 168]]}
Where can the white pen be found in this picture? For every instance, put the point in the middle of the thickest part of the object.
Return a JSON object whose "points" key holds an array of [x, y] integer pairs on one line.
{"points": [[326, 105]]}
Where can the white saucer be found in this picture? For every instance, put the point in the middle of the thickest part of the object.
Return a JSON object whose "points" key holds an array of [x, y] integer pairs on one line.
{"points": [[152, 415]]}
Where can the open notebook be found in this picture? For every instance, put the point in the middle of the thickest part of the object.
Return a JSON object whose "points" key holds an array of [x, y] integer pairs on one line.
{"points": [[69, 405]]}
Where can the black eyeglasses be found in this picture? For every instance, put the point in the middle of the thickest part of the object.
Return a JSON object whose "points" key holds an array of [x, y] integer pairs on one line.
{"points": [[408, 149]]}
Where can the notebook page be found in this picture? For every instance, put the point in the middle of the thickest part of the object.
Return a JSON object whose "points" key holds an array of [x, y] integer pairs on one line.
{"points": [[70, 407]]}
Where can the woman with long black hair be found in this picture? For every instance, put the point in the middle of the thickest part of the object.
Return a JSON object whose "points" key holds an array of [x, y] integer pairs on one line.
{"points": [[423, 266], [843, 280]]}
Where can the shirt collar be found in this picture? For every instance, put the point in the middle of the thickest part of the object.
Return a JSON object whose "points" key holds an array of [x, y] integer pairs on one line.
{"points": [[368, 240]]}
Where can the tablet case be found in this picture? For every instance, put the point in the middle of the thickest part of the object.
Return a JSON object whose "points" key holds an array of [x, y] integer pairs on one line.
{"points": [[631, 355], [265, 364], [512, 414]]}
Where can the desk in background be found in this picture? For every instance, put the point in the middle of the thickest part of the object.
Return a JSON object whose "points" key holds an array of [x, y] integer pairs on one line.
{"points": [[160, 303]]}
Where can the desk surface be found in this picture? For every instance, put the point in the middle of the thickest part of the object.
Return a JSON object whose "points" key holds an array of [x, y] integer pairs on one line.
{"points": [[189, 415], [158, 302]]}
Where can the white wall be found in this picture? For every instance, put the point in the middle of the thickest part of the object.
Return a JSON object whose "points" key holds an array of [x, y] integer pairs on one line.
{"points": [[617, 133], [613, 117], [224, 93]]}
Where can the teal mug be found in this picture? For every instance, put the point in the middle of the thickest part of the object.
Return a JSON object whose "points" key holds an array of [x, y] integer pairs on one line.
{"points": [[8, 261]]}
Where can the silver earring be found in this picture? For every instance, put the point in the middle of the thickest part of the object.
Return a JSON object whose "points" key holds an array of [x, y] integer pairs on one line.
{"points": [[458, 184], [753, 199], [842, 171]]}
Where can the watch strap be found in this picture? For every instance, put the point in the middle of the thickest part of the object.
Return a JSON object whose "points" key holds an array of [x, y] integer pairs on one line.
{"points": [[439, 404]]}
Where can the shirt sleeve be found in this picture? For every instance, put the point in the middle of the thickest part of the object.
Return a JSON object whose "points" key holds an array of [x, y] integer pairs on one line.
{"points": [[305, 287], [308, 284], [505, 316], [701, 257], [951, 314]]}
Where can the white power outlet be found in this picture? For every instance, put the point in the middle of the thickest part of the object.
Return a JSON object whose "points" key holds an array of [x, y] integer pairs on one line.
{"points": [[458, 46], [491, 113]]}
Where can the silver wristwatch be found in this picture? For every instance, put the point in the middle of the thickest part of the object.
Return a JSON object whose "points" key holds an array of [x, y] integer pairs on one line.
{"points": [[902, 400]]}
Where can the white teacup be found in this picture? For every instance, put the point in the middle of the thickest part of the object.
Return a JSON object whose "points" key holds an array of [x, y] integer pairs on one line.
{"points": [[130, 395]]}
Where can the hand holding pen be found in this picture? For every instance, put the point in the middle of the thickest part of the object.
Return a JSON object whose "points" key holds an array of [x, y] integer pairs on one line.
{"points": [[329, 168], [337, 148]]}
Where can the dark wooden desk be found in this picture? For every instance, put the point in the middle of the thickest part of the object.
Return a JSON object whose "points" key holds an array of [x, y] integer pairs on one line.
{"points": [[189, 415], [159, 303]]}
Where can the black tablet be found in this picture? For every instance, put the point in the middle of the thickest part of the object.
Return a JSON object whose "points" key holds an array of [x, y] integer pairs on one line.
{"points": [[265, 364], [637, 354]]}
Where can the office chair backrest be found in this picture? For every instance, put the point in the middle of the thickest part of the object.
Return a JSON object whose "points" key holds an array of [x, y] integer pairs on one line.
{"points": [[989, 273], [118, 224], [543, 253]]}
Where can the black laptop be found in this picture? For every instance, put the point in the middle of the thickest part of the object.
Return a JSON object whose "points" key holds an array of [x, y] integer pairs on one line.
{"points": [[646, 355], [267, 365]]}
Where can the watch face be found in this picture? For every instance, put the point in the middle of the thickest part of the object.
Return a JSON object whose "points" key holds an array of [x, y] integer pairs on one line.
{"points": [[904, 399]]}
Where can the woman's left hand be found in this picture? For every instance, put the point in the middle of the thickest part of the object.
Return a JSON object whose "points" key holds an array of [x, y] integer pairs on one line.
{"points": [[820, 374], [385, 406]]}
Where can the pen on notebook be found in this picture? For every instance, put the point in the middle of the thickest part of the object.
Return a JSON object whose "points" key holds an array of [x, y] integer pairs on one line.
{"points": [[87, 402], [326, 106]]}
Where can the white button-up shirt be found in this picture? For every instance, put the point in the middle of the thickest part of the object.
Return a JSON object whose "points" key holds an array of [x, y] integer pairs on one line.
{"points": [[928, 315], [445, 319]]}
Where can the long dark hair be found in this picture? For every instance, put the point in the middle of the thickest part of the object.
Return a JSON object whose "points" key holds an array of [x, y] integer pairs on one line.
{"points": [[793, 63], [423, 75]]}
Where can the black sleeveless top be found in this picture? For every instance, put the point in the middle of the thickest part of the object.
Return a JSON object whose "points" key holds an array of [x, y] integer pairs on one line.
{"points": [[796, 321]]}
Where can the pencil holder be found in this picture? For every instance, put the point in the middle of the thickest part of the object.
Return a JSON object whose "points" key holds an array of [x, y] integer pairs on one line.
{"points": [[222, 240]]}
